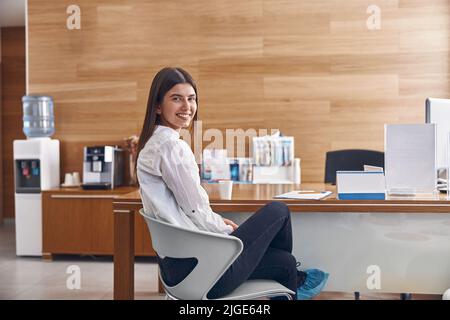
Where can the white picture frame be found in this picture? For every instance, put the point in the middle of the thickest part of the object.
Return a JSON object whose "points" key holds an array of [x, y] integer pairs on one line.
{"points": [[410, 159]]}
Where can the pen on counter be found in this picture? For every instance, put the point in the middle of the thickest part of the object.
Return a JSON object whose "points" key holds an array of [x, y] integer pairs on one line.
{"points": [[310, 191]]}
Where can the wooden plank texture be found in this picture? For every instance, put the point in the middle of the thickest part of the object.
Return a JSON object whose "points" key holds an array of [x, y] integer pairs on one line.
{"points": [[310, 68]]}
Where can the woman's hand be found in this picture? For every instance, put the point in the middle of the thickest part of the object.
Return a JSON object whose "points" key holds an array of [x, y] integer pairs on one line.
{"points": [[230, 223]]}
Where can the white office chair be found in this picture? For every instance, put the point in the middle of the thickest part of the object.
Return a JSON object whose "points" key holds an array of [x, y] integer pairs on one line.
{"points": [[446, 295], [215, 253]]}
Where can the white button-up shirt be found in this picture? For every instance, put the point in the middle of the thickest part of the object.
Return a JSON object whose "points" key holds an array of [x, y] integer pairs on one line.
{"points": [[170, 184]]}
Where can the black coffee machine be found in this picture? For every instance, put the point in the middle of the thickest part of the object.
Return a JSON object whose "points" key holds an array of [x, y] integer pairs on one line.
{"points": [[103, 167]]}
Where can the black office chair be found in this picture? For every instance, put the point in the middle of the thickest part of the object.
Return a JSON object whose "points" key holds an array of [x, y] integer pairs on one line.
{"points": [[352, 159]]}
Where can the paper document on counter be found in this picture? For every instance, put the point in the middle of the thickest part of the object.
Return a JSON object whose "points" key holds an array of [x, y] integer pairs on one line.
{"points": [[304, 195], [373, 168]]}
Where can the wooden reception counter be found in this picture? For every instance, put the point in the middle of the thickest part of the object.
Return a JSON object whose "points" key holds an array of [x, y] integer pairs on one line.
{"points": [[77, 221], [249, 198]]}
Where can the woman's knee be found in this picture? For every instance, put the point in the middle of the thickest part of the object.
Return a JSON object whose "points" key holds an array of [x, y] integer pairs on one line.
{"points": [[279, 208]]}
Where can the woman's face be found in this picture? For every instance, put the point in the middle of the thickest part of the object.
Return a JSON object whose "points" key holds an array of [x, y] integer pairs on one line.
{"points": [[178, 107]]}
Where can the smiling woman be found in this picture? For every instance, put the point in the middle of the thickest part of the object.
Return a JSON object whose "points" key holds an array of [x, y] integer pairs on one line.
{"points": [[172, 102], [171, 191], [178, 107]]}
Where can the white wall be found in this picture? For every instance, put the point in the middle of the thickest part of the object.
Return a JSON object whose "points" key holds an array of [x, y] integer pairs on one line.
{"points": [[12, 13], [1, 164]]}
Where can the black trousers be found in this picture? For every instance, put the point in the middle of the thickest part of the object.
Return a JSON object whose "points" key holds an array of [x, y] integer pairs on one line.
{"points": [[267, 254]]}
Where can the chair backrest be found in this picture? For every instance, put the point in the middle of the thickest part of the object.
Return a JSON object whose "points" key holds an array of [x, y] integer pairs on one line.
{"points": [[214, 252], [352, 159]]}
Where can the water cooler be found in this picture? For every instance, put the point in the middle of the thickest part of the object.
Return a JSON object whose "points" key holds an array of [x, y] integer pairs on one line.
{"points": [[36, 168]]}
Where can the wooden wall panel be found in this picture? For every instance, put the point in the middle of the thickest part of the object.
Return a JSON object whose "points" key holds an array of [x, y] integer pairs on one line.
{"points": [[310, 68], [13, 88]]}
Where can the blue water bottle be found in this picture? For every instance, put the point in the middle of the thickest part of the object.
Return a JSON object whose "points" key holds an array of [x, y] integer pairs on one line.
{"points": [[234, 170]]}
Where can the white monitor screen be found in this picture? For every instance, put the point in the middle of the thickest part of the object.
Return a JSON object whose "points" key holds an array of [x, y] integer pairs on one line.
{"points": [[438, 111]]}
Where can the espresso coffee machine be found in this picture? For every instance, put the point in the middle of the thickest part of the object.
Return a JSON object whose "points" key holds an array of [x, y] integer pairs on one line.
{"points": [[103, 167]]}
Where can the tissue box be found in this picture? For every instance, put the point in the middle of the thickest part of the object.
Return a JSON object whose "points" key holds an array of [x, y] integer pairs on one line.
{"points": [[360, 185]]}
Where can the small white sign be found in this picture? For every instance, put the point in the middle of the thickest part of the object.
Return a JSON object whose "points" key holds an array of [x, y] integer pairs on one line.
{"points": [[360, 185]]}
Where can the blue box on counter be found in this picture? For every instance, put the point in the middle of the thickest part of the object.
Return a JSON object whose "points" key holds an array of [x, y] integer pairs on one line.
{"points": [[360, 185]]}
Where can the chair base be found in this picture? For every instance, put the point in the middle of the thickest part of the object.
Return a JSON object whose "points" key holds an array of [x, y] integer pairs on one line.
{"points": [[251, 290]]}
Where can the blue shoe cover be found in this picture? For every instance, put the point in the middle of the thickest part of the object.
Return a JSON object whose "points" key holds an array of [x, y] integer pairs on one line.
{"points": [[314, 283]]}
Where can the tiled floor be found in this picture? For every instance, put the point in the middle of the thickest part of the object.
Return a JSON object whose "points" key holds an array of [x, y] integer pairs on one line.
{"points": [[33, 278]]}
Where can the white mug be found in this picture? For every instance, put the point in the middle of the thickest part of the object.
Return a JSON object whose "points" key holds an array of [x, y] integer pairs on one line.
{"points": [[68, 179], [76, 178], [225, 189]]}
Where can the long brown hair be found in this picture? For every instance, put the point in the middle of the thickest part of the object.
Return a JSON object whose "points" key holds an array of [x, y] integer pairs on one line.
{"points": [[163, 81]]}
